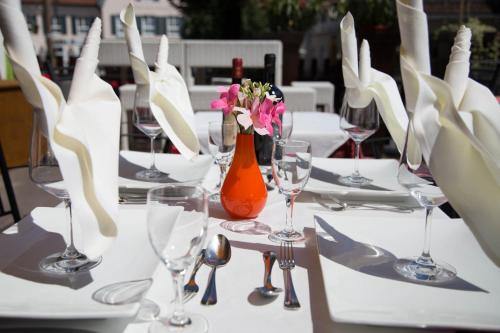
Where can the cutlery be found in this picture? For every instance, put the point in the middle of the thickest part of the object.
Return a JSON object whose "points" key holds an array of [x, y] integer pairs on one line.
{"points": [[342, 205], [287, 263], [191, 287], [268, 290], [217, 254]]}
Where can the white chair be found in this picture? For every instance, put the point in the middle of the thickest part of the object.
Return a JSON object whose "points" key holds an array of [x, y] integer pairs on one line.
{"points": [[325, 93]]}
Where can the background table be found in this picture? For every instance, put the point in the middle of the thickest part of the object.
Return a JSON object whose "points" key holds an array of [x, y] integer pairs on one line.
{"points": [[321, 129]]}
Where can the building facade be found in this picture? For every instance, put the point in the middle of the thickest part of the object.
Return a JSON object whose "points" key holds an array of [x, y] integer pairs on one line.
{"points": [[154, 18], [71, 20]]}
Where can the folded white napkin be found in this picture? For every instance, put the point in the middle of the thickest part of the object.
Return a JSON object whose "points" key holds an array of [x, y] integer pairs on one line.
{"points": [[83, 133], [370, 84], [461, 162], [169, 97]]}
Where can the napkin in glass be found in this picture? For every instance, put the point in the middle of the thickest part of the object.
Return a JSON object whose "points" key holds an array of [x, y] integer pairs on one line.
{"points": [[169, 97], [463, 165], [365, 83], [83, 133]]}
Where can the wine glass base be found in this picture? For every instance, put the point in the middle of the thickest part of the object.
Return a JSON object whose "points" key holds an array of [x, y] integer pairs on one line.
{"points": [[198, 324], [355, 180], [148, 311], [439, 272], [151, 175], [56, 264], [286, 236]]}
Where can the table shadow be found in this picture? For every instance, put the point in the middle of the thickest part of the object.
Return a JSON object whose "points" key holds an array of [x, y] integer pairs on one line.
{"points": [[333, 178], [23, 250], [128, 170], [371, 259], [111, 325], [246, 227]]}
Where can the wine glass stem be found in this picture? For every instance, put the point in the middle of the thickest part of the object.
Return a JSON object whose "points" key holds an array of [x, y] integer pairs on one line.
{"points": [[290, 201], [356, 159], [70, 251], [425, 258], [153, 166], [178, 317]]}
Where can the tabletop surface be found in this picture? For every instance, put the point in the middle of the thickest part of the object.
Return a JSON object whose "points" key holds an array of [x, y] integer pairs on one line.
{"points": [[239, 308]]}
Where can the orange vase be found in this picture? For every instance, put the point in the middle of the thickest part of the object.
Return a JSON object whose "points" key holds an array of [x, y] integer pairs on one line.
{"points": [[243, 194]]}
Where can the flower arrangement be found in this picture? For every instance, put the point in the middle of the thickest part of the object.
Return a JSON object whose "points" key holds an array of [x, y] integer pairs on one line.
{"points": [[252, 105]]}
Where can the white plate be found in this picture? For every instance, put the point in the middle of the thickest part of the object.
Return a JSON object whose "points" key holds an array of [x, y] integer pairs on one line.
{"points": [[29, 293], [326, 172], [356, 257], [177, 167]]}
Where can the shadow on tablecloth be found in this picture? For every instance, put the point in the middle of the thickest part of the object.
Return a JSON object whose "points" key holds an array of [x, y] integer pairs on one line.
{"points": [[23, 250], [371, 259]]}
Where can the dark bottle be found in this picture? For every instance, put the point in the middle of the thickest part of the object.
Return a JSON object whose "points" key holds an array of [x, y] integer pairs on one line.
{"points": [[236, 77], [264, 143]]}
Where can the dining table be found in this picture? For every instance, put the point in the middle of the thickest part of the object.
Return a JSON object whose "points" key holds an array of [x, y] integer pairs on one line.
{"points": [[342, 278]]}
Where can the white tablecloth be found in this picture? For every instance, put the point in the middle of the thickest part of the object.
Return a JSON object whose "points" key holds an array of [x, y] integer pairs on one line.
{"points": [[239, 309], [321, 129]]}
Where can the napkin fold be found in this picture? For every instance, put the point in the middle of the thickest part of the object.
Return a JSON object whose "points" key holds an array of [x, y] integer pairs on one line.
{"points": [[89, 168], [169, 97], [364, 83], [461, 160]]}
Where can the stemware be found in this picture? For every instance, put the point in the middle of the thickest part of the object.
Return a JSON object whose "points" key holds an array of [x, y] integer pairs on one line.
{"points": [[45, 173], [146, 122], [417, 178], [221, 144], [291, 165], [177, 216], [359, 124]]}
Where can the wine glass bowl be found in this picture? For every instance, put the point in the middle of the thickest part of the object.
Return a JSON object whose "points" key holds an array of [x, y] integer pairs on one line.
{"points": [[417, 179], [177, 217], [291, 167], [44, 171], [359, 124], [146, 122]]}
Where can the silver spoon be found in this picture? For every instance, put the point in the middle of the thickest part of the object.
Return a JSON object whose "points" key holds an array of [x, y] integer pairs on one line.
{"points": [[217, 254], [268, 290]]}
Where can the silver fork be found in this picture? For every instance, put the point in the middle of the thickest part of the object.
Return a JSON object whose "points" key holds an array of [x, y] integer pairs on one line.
{"points": [[191, 288], [287, 263]]}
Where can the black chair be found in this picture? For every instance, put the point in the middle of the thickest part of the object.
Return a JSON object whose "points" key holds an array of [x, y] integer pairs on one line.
{"points": [[9, 189]]}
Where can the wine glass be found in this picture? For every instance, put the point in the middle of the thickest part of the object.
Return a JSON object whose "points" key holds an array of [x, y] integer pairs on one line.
{"points": [[177, 216], [291, 164], [414, 174], [359, 124], [221, 144], [146, 122], [286, 126], [45, 173]]}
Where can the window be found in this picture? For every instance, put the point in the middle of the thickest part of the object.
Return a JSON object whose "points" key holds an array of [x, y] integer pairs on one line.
{"points": [[81, 24], [173, 26], [116, 26], [58, 24], [147, 25], [32, 24]]}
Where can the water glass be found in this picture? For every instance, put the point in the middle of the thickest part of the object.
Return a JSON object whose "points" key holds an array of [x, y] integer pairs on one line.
{"points": [[177, 217], [291, 166], [221, 144]]}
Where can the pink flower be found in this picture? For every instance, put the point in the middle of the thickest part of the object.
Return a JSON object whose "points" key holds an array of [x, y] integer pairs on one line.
{"points": [[227, 99]]}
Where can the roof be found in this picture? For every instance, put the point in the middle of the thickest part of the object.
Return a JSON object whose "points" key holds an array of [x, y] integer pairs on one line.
{"points": [[93, 3]]}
